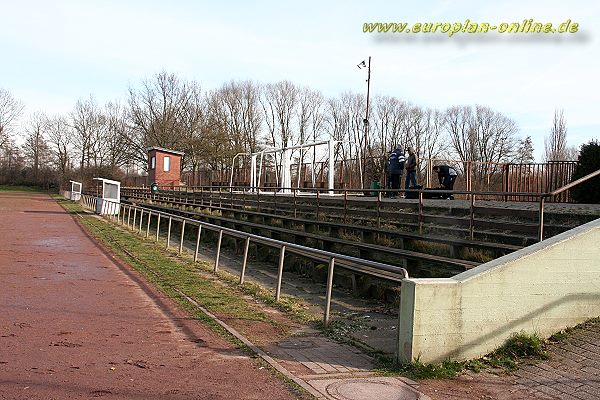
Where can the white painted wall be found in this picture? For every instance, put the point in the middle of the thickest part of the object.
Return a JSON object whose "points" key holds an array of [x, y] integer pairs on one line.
{"points": [[540, 289]]}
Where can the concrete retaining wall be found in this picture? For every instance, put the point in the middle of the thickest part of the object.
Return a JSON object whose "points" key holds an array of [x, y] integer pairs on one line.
{"points": [[540, 289]]}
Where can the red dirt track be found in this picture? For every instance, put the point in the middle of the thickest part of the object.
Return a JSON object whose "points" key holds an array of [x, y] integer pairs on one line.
{"points": [[76, 325]]}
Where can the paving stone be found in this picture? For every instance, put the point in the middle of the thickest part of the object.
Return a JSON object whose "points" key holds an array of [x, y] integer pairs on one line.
{"points": [[582, 395], [316, 368], [549, 390], [566, 396]]}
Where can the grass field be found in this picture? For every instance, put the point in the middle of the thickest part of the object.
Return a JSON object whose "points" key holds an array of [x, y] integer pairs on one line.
{"points": [[10, 188]]}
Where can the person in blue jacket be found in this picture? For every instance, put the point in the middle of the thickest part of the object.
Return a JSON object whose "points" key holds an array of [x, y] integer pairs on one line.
{"points": [[395, 168]]}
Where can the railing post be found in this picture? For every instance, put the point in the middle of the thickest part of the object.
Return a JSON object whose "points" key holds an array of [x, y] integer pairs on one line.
{"points": [[345, 204], [181, 239], [218, 250], [141, 220], [128, 216], [133, 224], [317, 216], [328, 292], [420, 212], [541, 219], [197, 243], [379, 209], [295, 212], [148, 224], [244, 260], [169, 233], [472, 217], [157, 226], [280, 273]]}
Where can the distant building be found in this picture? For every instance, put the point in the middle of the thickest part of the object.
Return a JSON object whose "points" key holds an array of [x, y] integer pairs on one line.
{"points": [[164, 167]]}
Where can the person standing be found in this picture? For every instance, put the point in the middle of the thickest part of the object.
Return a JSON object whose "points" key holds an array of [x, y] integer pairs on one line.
{"points": [[411, 169], [396, 167]]}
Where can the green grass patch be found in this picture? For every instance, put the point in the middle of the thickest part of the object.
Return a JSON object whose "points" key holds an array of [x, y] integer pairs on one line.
{"points": [[417, 369], [566, 333], [520, 348], [10, 188]]}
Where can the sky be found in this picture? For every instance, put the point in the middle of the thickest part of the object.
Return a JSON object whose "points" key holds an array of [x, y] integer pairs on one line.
{"points": [[53, 53]]}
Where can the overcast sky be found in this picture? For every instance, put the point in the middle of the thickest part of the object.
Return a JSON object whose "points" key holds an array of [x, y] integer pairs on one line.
{"points": [[55, 52]]}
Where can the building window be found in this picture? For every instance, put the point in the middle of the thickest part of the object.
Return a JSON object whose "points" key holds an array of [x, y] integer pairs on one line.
{"points": [[111, 191], [167, 163], [153, 163]]}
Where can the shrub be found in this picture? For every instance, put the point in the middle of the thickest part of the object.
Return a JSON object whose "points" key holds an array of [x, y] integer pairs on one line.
{"points": [[588, 162]]}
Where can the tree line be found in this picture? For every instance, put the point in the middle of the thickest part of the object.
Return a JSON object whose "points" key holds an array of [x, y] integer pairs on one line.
{"points": [[211, 126]]}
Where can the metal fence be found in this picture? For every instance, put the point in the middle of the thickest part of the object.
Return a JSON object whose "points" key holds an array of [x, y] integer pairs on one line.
{"points": [[473, 176], [132, 216], [539, 178]]}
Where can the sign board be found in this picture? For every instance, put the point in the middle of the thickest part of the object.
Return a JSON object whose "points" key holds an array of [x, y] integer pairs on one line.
{"points": [[76, 190]]}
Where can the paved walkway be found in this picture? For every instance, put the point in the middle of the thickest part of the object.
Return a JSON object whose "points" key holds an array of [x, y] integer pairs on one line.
{"points": [[572, 372], [75, 324]]}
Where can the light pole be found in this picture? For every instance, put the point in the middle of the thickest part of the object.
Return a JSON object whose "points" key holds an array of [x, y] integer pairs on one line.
{"points": [[362, 65]]}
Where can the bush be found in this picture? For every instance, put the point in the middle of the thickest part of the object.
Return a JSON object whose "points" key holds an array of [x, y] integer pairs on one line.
{"points": [[588, 162]]}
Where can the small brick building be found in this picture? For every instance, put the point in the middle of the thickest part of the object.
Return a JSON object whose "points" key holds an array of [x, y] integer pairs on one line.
{"points": [[164, 167]]}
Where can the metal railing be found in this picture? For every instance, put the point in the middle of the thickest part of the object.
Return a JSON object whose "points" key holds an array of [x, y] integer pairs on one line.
{"points": [[123, 213], [378, 195], [372, 197], [559, 191]]}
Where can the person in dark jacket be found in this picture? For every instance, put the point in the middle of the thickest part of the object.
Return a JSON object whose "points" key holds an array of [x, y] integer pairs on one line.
{"points": [[411, 169], [446, 176], [396, 167]]}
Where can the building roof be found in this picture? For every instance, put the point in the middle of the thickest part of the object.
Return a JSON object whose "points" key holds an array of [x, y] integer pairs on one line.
{"points": [[179, 153], [107, 181]]}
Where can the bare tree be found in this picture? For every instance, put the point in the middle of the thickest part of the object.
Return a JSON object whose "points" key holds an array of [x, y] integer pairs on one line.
{"points": [[460, 124], [434, 143], [10, 109], [241, 114], [85, 121], [157, 112], [496, 137], [116, 145], [310, 118], [482, 139], [35, 148], [60, 138], [481, 134], [390, 114], [279, 103], [555, 145]]}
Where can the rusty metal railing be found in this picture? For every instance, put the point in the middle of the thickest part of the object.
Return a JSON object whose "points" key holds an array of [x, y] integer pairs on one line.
{"points": [[132, 216]]}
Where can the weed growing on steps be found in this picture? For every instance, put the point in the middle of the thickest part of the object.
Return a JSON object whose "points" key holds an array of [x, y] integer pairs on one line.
{"points": [[520, 348]]}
